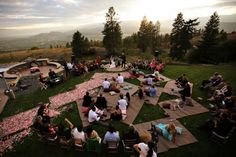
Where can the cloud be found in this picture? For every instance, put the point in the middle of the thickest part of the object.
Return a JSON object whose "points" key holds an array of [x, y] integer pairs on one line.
{"points": [[25, 14]]}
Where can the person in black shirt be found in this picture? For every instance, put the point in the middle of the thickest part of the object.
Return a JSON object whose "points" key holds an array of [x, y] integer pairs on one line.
{"points": [[87, 100], [52, 74], [123, 57], [101, 102]]}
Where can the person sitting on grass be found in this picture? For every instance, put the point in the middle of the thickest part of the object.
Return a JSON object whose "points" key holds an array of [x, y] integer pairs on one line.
{"points": [[160, 67], [43, 111], [44, 128], [212, 81], [63, 133], [111, 135], [220, 123], [218, 95]]}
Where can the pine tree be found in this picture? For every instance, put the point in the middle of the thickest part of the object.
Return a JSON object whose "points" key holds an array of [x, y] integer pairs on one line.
{"points": [[175, 37], [112, 39], [156, 38], [181, 34], [79, 44], [67, 45], [188, 32], [210, 39], [143, 35]]}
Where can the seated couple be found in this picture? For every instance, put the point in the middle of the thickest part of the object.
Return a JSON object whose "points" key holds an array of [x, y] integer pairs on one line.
{"points": [[113, 85], [100, 104], [213, 81]]}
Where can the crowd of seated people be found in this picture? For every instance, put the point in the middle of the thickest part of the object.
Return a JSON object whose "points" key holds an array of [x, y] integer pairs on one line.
{"points": [[66, 133], [84, 67], [221, 93], [138, 65], [222, 103], [78, 68], [212, 82], [221, 123]]}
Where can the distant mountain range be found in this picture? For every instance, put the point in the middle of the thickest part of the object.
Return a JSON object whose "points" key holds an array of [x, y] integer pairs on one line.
{"points": [[44, 40]]}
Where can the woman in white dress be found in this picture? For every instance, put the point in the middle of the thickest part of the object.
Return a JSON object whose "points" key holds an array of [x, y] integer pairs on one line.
{"points": [[112, 62]]}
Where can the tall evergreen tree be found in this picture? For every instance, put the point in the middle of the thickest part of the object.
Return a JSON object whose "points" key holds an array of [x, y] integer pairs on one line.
{"points": [[188, 32], [112, 39], [67, 45], [156, 38], [210, 38], [143, 35], [175, 37], [181, 34], [79, 44]]}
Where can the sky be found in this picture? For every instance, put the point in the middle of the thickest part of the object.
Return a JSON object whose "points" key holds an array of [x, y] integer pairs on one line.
{"points": [[67, 14]]}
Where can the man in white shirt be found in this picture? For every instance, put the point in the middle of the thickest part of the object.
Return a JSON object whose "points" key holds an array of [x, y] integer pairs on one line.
{"points": [[78, 133], [69, 65], [106, 85], [93, 116], [120, 79], [122, 103]]}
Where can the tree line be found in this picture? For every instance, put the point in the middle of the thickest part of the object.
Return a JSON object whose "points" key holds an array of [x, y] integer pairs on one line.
{"points": [[208, 49]]}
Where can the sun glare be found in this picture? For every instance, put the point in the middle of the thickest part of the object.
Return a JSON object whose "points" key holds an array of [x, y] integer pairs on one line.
{"points": [[167, 9]]}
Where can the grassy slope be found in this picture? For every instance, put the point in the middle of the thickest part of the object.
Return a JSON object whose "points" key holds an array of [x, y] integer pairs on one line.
{"points": [[204, 147], [32, 147], [27, 101]]}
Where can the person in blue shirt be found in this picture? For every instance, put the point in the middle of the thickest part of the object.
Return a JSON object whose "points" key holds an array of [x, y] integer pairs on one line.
{"points": [[111, 135], [151, 91]]}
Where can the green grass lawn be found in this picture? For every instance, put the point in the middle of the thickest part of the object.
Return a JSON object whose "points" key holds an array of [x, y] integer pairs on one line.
{"points": [[149, 113], [196, 73], [30, 100]]}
